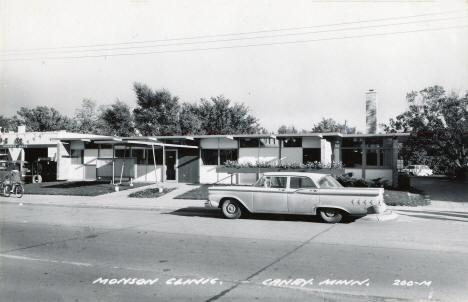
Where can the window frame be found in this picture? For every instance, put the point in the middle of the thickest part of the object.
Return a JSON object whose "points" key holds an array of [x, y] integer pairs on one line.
{"points": [[303, 177]]}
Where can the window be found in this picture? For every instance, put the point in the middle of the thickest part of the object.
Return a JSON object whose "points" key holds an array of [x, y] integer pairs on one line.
{"points": [[77, 157], [140, 155], [386, 158], [228, 154], [122, 153], [249, 142], [276, 182], [351, 142], [301, 182], [311, 155], [260, 182], [351, 157], [269, 143], [292, 142], [158, 154], [209, 156], [371, 157], [90, 145], [329, 182]]}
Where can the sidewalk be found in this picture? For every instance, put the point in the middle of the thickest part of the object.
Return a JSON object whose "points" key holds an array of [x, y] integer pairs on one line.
{"points": [[441, 209], [118, 200]]}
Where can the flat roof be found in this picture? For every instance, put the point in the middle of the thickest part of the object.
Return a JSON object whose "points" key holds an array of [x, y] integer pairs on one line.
{"points": [[158, 139]]}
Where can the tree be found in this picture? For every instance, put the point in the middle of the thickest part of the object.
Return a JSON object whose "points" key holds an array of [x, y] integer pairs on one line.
{"points": [[439, 129], [190, 119], [330, 125], [86, 117], [43, 118], [219, 116], [283, 129], [157, 112], [7, 123], [116, 120]]}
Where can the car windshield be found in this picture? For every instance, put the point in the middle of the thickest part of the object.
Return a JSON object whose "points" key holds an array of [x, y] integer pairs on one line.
{"points": [[329, 182]]}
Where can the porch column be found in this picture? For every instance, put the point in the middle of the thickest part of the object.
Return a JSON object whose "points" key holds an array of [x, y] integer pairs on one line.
{"points": [[163, 170], [238, 155], [364, 157], [337, 151], [279, 152], [395, 162], [113, 164], [58, 156], [154, 163]]}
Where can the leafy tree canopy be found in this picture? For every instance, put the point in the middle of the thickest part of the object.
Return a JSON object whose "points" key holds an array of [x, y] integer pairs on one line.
{"points": [[218, 116], [283, 129], [86, 117], [8, 123], [330, 125], [157, 112], [438, 123], [42, 118], [116, 120]]}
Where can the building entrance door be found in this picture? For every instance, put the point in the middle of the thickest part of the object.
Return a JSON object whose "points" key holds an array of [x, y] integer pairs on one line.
{"points": [[171, 162]]}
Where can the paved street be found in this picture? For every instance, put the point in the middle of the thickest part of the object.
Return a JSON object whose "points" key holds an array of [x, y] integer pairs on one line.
{"points": [[67, 253]]}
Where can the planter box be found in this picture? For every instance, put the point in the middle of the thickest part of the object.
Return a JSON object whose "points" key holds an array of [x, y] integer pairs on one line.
{"points": [[233, 170]]}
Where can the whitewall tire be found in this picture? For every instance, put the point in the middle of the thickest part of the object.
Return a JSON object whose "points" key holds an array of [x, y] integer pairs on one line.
{"points": [[331, 215], [231, 209]]}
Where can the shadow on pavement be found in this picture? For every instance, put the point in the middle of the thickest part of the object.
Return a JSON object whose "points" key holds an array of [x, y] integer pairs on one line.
{"points": [[434, 217], [216, 213], [439, 213]]}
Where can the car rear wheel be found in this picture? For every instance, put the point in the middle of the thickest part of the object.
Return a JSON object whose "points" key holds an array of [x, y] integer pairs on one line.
{"points": [[331, 215], [231, 209]]}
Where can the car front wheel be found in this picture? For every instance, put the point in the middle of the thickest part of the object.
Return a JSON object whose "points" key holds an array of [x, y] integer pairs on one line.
{"points": [[331, 215], [231, 209]]}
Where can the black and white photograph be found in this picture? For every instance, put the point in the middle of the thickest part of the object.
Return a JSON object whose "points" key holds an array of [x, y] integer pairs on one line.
{"points": [[215, 150]]}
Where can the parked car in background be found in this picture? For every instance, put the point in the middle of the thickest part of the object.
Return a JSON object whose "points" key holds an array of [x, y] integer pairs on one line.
{"points": [[297, 193], [417, 170]]}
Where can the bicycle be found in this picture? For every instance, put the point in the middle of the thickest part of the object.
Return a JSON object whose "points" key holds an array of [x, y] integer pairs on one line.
{"points": [[5, 188], [17, 189]]}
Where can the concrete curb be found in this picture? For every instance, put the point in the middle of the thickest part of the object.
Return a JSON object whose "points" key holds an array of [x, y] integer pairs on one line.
{"points": [[386, 216]]}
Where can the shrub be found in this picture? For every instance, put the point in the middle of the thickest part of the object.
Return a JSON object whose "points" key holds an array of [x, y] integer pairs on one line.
{"points": [[347, 181]]}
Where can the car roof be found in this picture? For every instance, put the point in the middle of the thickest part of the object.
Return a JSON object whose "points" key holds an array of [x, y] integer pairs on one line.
{"points": [[286, 173]]}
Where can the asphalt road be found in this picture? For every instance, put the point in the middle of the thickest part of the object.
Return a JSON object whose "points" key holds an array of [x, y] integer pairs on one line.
{"points": [[51, 253]]}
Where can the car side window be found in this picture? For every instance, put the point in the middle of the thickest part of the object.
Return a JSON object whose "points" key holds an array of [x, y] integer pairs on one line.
{"points": [[278, 182], [260, 182], [301, 182]]}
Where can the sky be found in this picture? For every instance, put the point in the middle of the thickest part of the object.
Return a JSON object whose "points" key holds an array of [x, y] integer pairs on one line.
{"points": [[291, 62]]}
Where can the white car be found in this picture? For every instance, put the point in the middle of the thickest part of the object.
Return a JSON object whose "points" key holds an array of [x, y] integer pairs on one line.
{"points": [[418, 170], [296, 193]]}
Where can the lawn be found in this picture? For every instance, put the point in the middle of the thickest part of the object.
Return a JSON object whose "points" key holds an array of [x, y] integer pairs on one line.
{"points": [[150, 193], [76, 188], [391, 197]]}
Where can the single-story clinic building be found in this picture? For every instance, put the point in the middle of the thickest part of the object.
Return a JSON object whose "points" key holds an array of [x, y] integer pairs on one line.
{"points": [[194, 159]]}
